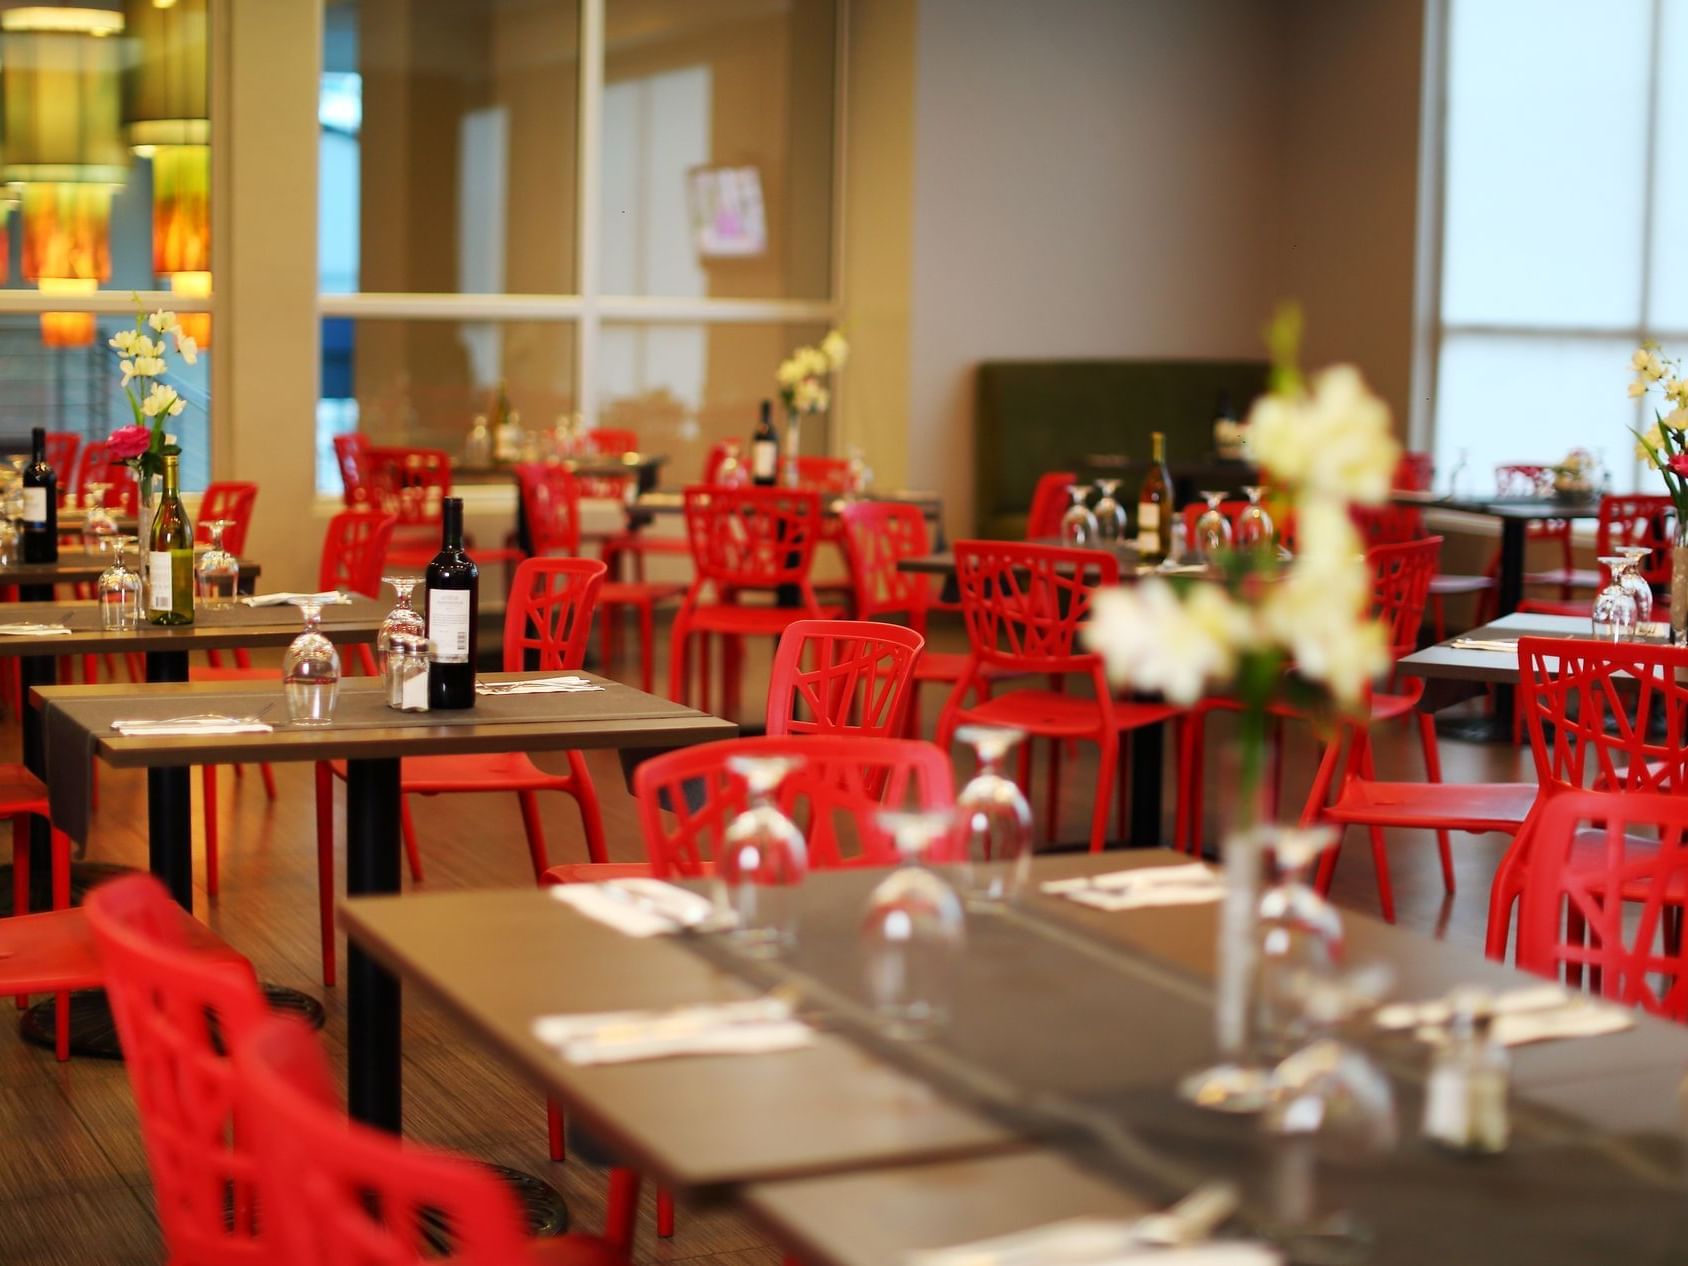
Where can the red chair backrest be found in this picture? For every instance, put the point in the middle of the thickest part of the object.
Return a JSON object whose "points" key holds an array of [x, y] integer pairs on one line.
{"points": [[1523, 479], [1050, 500], [753, 538], [611, 441], [1639, 520], [717, 456], [338, 1193], [1023, 603], [1414, 472], [96, 466], [411, 483], [354, 551], [1401, 576], [1619, 906], [550, 507], [549, 612], [1388, 524], [177, 1011], [351, 452], [1595, 711], [687, 797], [856, 680], [61, 450], [877, 536], [231, 502], [829, 476]]}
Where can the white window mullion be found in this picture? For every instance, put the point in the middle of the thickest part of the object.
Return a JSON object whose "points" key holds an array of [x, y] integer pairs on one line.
{"points": [[589, 201]]}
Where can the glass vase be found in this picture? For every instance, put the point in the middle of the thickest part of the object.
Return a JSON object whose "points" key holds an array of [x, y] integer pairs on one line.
{"points": [[793, 446], [1679, 584]]}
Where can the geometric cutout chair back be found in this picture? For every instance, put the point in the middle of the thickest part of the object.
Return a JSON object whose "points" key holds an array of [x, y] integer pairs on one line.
{"points": [[842, 677], [354, 551], [877, 536], [411, 483], [232, 503], [550, 500], [752, 538], [548, 618], [1639, 520], [1401, 576], [1050, 500], [1023, 603], [688, 797]]}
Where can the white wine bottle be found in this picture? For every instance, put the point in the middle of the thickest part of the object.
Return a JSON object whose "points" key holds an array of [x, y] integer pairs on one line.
{"points": [[1155, 508], [170, 555]]}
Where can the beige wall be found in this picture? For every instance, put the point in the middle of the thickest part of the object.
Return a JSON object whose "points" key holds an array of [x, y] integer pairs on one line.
{"points": [[1144, 179]]}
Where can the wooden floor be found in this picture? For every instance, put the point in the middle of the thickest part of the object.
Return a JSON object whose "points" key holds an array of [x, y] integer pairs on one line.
{"points": [[73, 1178]]}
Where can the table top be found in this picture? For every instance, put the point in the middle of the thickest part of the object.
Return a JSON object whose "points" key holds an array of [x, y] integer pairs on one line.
{"points": [[1447, 662], [841, 1108], [942, 563], [930, 503], [499, 960], [617, 717], [212, 629], [1526, 508], [78, 565]]}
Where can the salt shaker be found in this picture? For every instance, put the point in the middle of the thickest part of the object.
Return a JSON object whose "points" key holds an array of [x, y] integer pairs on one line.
{"points": [[407, 672], [1465, 1096]]}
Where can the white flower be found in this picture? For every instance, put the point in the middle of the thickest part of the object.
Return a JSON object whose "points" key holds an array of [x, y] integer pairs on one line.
{"points": [[1676, 419], [161, 399], [810, 396], [1647, 448], [1335, 442], [814, 362], [835, 349], [1150, 639], [163, 322], [187, 348], [128, 368], [124, 341], [148, 366]]}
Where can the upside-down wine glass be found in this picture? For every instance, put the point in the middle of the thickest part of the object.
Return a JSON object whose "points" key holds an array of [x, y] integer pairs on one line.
{"points": [[119, 591], [1213, 529], [99, 527], [216, 574], [1110, 514], [1254, 524], [1637, 586], [861, 474], [762, 861], [731, 472], [1078, 524], [403, 618], [310, 671], [1300, 938], [994, 820], [913, 936], [1615, 614]]}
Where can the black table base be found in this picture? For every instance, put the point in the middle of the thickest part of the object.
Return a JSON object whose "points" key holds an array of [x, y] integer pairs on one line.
{"points": [[94, 1035]]}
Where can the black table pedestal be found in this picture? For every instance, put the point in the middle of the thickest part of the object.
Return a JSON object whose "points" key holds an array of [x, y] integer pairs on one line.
{"points": [[373, 1003], [1509, 592]]}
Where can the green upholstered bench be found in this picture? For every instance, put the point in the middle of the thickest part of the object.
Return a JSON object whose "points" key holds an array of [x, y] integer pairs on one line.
{"points": [[1035, 416]]}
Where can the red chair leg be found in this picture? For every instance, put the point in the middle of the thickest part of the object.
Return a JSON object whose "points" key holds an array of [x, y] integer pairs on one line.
{"points": [[1106, 762], [554, 1128], [1433, 770], [664, 1212], [647, 651], [621, 1211], [269, 778], [208, 788], [407, 829], [535, 832], [591, 819], [325, 866], [1379, 848]]}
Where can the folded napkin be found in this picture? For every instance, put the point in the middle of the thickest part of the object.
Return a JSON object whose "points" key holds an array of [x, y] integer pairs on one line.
{"points": [[25, 629], [328, 598], [538, 686], [1509, 645], [1192, 883], [637, 907], [1534, 1013], [752, 1026], [191, 725]]}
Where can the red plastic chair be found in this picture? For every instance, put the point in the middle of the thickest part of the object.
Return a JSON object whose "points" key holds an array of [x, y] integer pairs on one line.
{"points": [[551, 505], [743, 540], [1394, 524], [1597, 907], [1593, 711], [178, 1012], [410, 484], [1626, 520], [61, 450], [338, 1193], [96, 465], [354, 551], [549, 617], [1414, 472], [351, 454], [31, 960], [1023, 605], [1050, 500], [858, 679], [1401, 576]]}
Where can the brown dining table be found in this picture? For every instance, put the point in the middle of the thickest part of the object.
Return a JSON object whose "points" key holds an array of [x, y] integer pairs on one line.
{"points": [[1051, 1091], [372, 739], [1485, 657]]}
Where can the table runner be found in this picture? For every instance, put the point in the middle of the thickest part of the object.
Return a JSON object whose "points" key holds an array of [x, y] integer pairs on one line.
{"points": [[85, 617], [1079, 1042], [72, 728]]}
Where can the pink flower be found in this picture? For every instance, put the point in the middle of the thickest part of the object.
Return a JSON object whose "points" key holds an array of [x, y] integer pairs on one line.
{"points": [[129, 442]]}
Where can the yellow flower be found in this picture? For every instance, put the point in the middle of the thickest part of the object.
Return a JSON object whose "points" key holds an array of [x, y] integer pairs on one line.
{"points": [[1151, 639]]}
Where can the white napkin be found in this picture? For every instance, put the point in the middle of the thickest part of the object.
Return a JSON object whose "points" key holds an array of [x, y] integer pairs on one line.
{"points": [[752, 1026], [538, 686], [1435, 1012], [191, 725], [24, 629], [1485, 644], [1193, 883], [1534, 1013], [329, 598], [636, 907], [1092, 1242]]}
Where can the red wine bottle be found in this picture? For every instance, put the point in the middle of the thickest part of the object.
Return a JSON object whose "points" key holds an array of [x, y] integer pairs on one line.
{"points": [[40, 505], [454, 600], [765, 449]]}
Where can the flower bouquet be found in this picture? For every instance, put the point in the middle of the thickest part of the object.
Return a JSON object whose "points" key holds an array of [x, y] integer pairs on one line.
{"points": [[1297, 634], [143, 359], [1664, 447], [804, 379]]}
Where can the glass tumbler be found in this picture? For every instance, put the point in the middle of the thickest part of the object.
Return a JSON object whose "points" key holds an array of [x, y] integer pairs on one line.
{"points": [[763, 859], [119, 590], [310, 671], [994, 819], [98, 526], [403, 618], [216, 574], [913, 935]]}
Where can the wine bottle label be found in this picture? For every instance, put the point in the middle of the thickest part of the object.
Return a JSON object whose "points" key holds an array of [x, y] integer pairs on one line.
{"points": [[158, 580], [35, 505], [1148, 527], [764, 459], [448, 625]]}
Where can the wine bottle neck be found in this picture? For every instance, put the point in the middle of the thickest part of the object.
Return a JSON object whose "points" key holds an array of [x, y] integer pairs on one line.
{"points": [[451, 520], [172, 476], [38, 443]]}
